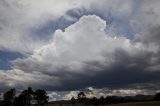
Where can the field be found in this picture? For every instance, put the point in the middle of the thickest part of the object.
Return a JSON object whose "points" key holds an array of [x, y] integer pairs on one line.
{"points": [[121, 104], [138, 104]]}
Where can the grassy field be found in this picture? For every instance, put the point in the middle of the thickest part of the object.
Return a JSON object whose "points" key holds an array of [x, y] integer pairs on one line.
{"points": [[155, 103], [138, 104]]}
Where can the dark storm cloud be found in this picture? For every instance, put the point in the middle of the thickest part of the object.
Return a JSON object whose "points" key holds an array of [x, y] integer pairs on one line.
{"points": [[116, 48], [150, 36], [127, 72], [114, 62]]}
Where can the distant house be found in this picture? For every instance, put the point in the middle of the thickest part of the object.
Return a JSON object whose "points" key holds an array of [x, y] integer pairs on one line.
{"points": [[33, 101]]}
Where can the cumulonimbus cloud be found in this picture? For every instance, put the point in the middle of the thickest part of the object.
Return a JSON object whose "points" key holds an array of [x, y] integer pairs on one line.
{"points": [[86, 50]]}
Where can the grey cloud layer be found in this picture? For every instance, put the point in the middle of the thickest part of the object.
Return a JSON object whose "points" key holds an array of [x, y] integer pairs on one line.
{"points": [[86, 55], [20, 17], [88, 52], [21, 21], [93, 92]]}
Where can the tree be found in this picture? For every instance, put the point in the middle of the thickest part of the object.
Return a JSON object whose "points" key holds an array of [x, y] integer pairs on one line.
{"points": [[81, 96], [157, 97], [102, 100], [73, 101], [8, 97], [95, 101], [24, 99], [41, 97]]}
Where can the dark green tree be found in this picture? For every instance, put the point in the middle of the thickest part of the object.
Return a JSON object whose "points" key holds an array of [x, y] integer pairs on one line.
{"points": [[41, 97], [81, 97], [73, 101], [95, 101], [8, 97], [157, 97], [24, 99], [102, 100]]}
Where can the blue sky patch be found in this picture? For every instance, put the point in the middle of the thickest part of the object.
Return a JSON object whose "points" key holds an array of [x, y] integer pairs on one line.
{"points": [[6, 57]]}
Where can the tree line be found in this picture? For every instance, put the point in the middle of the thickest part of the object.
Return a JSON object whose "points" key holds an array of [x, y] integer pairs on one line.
{"points": [[39, 97], [82, 99], [25, 98]]}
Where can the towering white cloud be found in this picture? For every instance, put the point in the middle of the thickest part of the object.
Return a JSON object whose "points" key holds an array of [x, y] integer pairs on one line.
{"points": [[122, 53], [85, 41], [85, 48], [20, 17]]}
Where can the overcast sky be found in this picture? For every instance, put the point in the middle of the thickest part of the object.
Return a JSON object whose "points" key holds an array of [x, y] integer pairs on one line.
{"points": [[103, 47]]}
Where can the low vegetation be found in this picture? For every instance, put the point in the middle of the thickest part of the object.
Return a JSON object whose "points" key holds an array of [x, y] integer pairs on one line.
{"points": [[39, 97], [27, 97], [153, 103]]}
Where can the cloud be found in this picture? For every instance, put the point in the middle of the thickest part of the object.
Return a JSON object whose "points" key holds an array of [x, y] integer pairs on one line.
{"points": [[116, 47], [34, 17], [53, 96], [19, 79], [82, 42], [85, 51], [26, 24], [91, 92], [71, 94], [20, 19]]}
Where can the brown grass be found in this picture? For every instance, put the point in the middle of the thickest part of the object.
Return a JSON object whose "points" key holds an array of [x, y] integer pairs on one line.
{"points": [[154, 103], [157, 103]]}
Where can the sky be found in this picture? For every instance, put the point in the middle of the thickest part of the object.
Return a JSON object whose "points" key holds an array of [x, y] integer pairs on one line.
{"points": [[101, 47]]}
